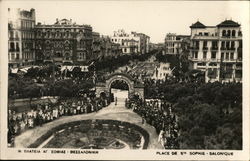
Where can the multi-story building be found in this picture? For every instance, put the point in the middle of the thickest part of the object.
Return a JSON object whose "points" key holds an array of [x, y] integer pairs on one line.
{"points": [[96, 45], [175, 44], [108, 48], [143, 42], [131, 43], [217, 50], [64, 42], [21, 37]]}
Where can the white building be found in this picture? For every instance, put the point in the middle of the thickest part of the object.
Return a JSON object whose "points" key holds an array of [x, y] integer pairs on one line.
{"points": [[131, 43], [217, 50]]}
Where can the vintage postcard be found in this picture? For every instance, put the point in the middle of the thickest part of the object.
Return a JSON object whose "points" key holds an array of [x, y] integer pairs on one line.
{"points": [[124, 80]]}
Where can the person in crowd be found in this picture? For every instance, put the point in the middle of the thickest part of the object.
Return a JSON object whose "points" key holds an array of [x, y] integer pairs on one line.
{"points": [[47, 112], [160, 115]]}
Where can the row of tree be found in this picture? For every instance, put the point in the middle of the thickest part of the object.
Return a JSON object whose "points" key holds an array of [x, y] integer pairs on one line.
{"points": [[209, 115], [28, 88]]}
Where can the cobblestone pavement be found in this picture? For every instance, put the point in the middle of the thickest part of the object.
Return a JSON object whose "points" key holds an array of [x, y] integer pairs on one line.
{"points": [[113, 112]]}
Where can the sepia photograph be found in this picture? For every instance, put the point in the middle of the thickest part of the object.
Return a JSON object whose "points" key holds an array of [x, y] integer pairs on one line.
{"points": [[98, 76]]}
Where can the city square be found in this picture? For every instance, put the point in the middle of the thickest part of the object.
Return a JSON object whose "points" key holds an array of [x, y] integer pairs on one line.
{"points": [[70, 86]]}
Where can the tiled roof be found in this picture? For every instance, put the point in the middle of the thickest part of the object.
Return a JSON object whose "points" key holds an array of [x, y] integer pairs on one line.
{"points": [[198, 24], [228, 23]]}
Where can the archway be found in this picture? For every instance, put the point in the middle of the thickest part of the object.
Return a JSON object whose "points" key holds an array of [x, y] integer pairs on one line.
{"points": [[132, 86], [119, 89]]}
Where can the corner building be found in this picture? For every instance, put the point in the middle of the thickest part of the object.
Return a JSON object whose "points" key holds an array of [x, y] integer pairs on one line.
{"points": [[21, 37], [217, 50], [64, 42]]}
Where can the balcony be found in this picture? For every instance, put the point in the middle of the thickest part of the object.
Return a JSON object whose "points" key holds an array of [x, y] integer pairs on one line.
{"points": [[14, 39]]}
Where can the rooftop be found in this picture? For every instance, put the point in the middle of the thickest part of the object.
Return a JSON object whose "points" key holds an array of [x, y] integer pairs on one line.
{"points": [[198, 24], [228, 23]]}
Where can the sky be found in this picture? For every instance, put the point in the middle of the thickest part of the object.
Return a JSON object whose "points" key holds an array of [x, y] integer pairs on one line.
{"points": [[154, 18]]}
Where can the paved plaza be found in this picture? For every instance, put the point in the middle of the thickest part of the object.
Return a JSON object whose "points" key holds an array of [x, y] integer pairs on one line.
{"points": [[113, 112]]}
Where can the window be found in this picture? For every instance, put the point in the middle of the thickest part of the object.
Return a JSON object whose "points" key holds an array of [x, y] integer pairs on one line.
{"points": [[214, 44], [206, 34], [12, 56], [222, 56], [223, 44], [200, 33], [227, 56], [205, 44], [196, 44], [17, 46], [48, 34], [12, 46], [213, 55], [228, 33], [204, 55], [17, 56], [201, 64], [233, 33], [239, 33], [227, 44], [195, 55], [125, 50], [232, 45], [224, 33], [231, 56]]}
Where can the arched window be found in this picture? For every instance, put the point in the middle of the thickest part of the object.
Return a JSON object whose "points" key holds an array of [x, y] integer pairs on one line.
{"points": [[233, 33], [228, 33], [224, 33]]}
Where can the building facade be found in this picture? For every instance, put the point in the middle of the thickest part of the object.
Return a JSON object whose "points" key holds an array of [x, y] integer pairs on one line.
{"points": [[108, 48], [132, 43], [175, 44], [217, 50], [21, 37], [64, 42]]}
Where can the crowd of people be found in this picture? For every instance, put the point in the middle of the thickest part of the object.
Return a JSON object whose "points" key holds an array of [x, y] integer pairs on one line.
{"points": [[158, 114], [47, 112]]}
